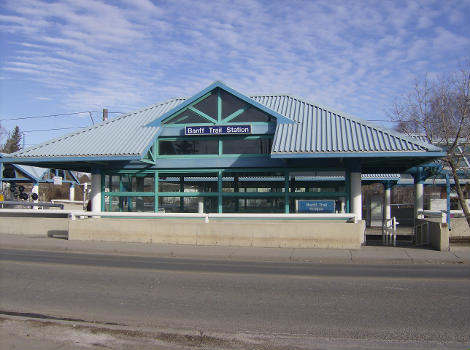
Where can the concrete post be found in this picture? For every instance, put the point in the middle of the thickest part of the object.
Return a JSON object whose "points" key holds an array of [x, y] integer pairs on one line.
{"points": [[95, 195], [387, 202], [356, 195], [200, 206], [72, 192], [419, 198]]}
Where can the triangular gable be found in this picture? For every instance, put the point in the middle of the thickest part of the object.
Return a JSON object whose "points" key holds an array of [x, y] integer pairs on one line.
{"points": [[280, 119]]}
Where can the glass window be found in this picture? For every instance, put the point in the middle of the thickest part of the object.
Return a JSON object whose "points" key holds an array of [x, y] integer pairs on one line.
{"points": [[182, 147], [187, 204], [208, 105], [253, 115], [247, 146], [253, 182], [187, 117], [253, 205], [230, 104], [194, 182]]}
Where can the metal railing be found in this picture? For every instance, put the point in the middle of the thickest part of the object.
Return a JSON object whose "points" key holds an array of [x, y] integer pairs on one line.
{"points": [[81, 214], [32, 204], [389, 232]]}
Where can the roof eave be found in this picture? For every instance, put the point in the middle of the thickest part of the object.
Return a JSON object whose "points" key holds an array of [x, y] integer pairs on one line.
{"points": [[358, 154]]}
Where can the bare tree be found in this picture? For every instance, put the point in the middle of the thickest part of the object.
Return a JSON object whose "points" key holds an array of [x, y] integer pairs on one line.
{"points": [[439, 110]]}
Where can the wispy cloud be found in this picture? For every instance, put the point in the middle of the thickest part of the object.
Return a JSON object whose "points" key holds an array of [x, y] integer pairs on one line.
{"points": [[352, 55]]}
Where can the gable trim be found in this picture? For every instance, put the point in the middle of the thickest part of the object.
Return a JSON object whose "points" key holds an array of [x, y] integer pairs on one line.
{"points": [[279, 118]]}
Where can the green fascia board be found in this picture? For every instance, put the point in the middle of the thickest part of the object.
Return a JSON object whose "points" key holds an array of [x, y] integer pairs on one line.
{"points": [[359, 155], [217, 84]]}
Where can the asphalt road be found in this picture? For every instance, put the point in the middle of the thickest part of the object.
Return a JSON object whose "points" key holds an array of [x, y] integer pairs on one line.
{"points": [[419, 305]]}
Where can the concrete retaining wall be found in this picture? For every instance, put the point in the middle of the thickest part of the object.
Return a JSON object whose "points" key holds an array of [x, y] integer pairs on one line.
{"points": [[438, 234], [256, 233], [34, 226], [459, 227]]}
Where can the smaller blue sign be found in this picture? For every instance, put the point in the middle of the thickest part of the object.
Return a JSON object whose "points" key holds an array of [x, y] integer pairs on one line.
{"points": [[315, 206], [218, 130]]}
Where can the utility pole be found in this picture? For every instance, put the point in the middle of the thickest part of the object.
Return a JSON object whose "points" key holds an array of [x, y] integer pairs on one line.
{"points": [[105, 114]]}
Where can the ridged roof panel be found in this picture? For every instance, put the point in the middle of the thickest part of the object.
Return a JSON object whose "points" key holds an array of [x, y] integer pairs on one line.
{"points": [[316, 130], [319, 130], [126, 135]]}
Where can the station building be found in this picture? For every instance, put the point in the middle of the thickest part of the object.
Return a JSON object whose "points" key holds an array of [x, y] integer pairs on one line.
{"points": [[223, 152]]}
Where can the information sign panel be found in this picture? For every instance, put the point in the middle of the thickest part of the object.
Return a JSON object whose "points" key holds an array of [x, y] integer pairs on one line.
{"points": [[218, 130], [315, 206]]}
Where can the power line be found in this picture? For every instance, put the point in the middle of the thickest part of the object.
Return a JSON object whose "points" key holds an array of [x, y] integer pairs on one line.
{"points": [[55, 115], [54, 129]]}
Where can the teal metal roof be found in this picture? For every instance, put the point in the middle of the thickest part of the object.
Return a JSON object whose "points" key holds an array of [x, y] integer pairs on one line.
{"points": [[322, 131], [124, 136], [303, 129]]}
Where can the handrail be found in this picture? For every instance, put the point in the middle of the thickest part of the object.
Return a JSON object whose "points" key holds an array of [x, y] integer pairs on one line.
{"points": [[32, 204], [389, 232]]}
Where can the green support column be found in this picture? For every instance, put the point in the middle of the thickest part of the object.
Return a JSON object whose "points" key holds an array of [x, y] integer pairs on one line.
{"points": [[219, 189], [286, 193], [156, 192], [237, 189], [121, 189]]}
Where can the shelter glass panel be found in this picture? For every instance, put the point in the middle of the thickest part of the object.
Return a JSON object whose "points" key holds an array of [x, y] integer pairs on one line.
{"points": [[247, 146], [253, 205], [208, 106], [194, 182], [266, 182], [188, 147], [230, 103], [187, 117], [187, 204], [253, 115]]}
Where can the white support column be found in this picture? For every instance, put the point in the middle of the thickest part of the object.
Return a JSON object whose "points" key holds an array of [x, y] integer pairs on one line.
{"points": [[72, 192], [387, 201], [356, 196], [419, 198], [95, 195]]}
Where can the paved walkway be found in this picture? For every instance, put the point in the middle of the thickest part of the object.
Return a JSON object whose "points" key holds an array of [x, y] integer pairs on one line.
{"points": [[458, 254]]}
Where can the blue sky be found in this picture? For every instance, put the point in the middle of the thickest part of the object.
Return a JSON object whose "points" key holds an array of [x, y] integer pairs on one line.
{"points": [[355, 56]]}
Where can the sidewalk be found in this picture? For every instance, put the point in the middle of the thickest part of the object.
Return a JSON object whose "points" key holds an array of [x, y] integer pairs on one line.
{"points": [[458, 254]]}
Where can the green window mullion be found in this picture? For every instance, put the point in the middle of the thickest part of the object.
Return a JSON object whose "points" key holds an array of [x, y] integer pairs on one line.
{"points": [[219, 189], [130, 194], [286, 193], [188, 194], [220, 147], [219, 106], [156, 192]]}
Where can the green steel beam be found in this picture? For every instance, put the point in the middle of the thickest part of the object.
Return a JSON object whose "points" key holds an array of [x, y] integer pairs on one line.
{"points": [[202, 114], [286, 193], [236, 114]]}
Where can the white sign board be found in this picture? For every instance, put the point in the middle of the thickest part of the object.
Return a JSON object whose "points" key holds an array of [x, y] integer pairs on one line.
{"points": [[57, 180]]}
